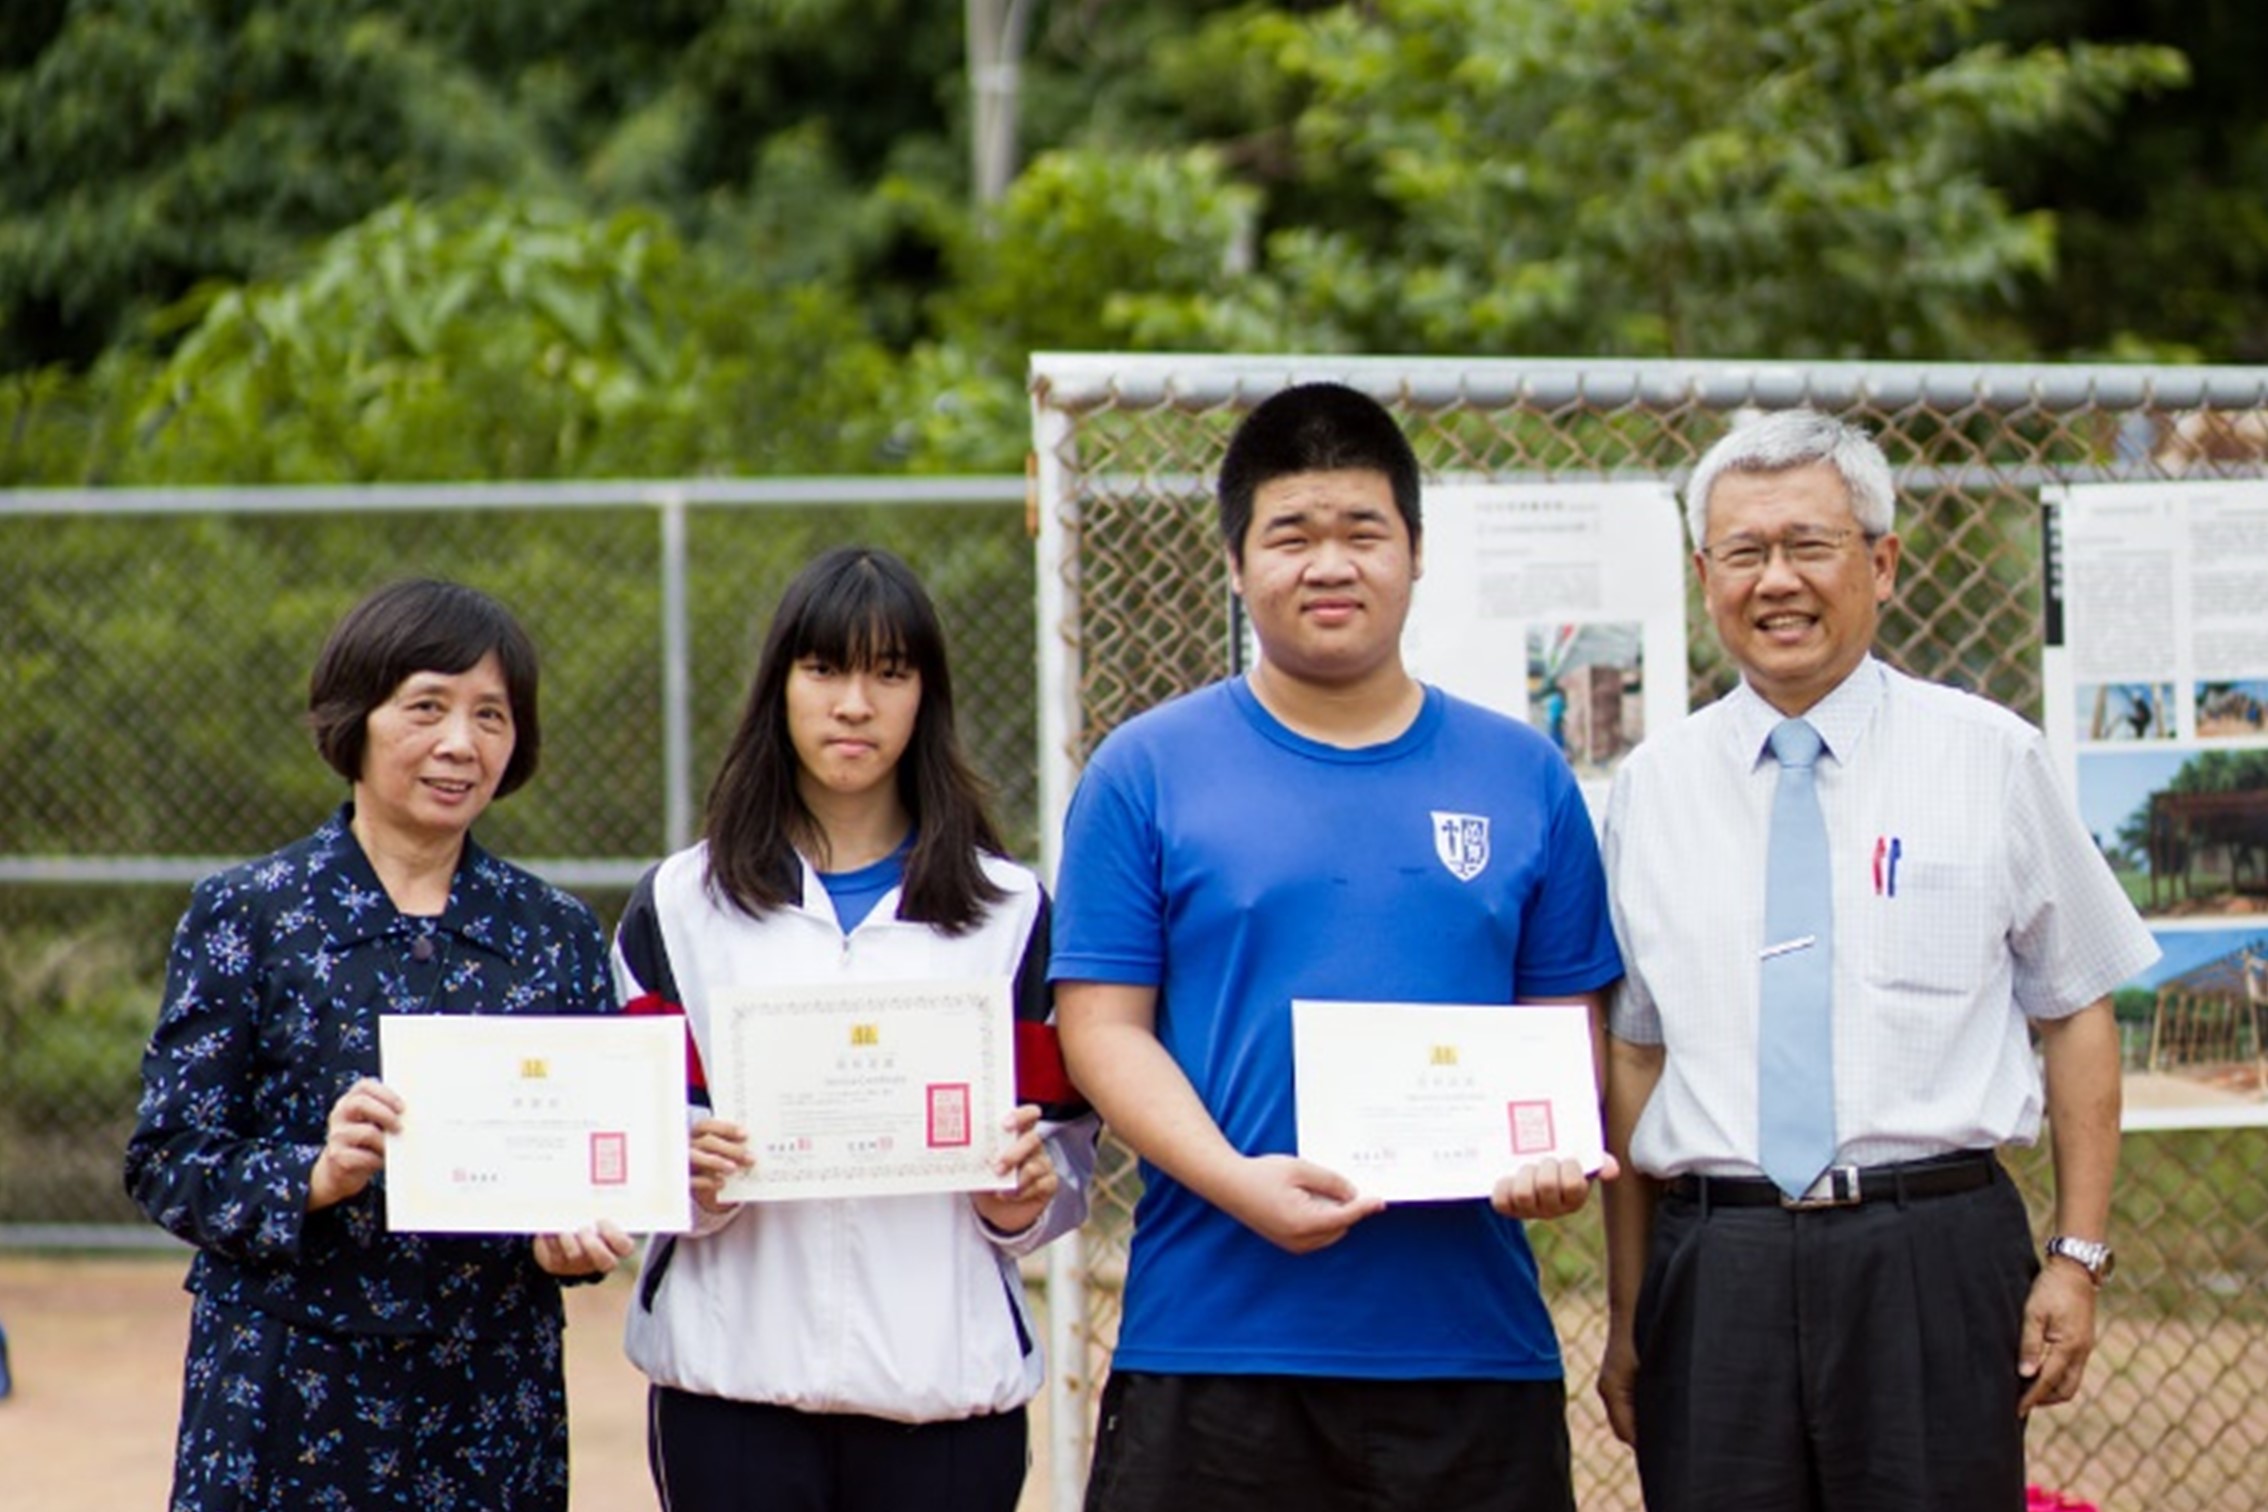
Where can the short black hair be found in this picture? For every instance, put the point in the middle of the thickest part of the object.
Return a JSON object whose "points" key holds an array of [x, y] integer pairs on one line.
{"points": [[412, 626], [1314, 427]]}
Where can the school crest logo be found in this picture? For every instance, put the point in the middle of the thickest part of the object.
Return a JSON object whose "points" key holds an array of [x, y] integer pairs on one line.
{"points": [[1461, 841]]}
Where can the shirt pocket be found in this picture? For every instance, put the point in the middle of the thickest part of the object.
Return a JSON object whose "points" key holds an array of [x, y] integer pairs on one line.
{"points": [[1938, 932]]}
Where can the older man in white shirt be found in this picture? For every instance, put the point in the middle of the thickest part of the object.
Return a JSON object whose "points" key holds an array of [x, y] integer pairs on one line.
{"points": [[1846, 900]]}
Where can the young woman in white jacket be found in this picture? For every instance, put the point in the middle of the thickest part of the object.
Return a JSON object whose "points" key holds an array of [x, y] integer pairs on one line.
{"points": [[861, 1355]]}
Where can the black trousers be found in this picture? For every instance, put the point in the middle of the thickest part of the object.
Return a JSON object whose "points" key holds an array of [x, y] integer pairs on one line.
{"points": [[710, 1454], [1260, 1443], [1861, 1359]]}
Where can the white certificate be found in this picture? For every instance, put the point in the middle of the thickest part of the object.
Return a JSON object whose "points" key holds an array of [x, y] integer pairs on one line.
{"points": [[866, 1091], [1422, 1102], [532, 1125]]}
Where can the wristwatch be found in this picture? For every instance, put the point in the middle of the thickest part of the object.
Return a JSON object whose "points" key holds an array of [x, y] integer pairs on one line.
{"points": [[2091, 1255]]}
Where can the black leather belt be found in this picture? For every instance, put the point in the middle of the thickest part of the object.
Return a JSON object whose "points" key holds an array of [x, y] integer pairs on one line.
{"points": [[1846, 1186]]}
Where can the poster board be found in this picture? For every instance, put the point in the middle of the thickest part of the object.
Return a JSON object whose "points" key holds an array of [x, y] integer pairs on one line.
{"points": [[2155, 695], [1562, 605]]}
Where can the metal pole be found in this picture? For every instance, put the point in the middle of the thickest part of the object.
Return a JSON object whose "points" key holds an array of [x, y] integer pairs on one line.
{"points": [[677, 679], [1069, 1392], [993, 48]]}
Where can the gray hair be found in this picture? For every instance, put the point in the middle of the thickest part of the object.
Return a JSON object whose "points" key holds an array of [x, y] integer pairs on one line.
{"points": [[1788, 439]]}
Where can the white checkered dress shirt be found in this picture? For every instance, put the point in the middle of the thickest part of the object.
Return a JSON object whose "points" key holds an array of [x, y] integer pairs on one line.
{"points": [[1968, 897]]}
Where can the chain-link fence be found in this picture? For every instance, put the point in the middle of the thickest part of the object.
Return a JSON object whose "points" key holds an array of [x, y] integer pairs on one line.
{"points": [[1134, 601], [156, 647]]}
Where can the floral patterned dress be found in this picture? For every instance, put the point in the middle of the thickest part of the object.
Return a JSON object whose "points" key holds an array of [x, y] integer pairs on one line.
{"points": [[332, 1364]]}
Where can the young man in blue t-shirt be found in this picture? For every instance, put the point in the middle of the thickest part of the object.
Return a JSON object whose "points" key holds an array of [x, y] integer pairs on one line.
{"points": [[1326, 827]]}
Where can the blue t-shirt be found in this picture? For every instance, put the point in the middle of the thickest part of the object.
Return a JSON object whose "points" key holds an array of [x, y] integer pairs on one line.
{"points": [[1235, 865], [854, 893]]}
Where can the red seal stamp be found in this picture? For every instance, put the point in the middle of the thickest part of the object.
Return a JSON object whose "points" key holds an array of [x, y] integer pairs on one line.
{"points": [[1532, 1132], [948, 1115]]}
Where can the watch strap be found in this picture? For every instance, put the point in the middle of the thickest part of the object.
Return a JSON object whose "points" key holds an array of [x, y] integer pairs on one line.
{"points": [[2091, 1255]]}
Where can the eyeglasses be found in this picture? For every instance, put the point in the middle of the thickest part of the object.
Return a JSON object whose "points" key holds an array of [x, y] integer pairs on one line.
{"points": [[1806, 550]]}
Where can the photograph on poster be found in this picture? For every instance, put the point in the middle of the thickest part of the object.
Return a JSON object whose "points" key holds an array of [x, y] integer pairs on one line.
{"points": [[2186, 831], [1582, 583], [2126, 711], [1586, 690], [2232, 710], [2196, 1018]]}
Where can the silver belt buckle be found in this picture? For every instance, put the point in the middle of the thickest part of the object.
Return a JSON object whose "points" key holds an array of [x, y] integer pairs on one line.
{"points": [[1837, 1186]]}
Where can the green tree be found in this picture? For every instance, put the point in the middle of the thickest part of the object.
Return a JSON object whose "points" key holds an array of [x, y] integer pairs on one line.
{"points": [[2163, 245], [507, 339], [1399, 175], [1087, 250], [145, 144], [2221, 772], [1529, 175], [149, 145]]}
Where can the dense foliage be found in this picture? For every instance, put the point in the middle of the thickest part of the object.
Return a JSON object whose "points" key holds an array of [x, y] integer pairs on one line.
{"points": [[275, 239], [2162, 214]]}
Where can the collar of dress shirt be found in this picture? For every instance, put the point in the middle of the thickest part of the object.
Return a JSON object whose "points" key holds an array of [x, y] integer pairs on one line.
{"points": [[1841, 718]]}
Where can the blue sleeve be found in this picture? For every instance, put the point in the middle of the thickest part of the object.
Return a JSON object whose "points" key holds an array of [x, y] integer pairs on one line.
{"points": [[1567, 935], [1109, 893]]}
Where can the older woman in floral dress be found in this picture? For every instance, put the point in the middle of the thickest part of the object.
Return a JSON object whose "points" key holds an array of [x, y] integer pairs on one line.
{"points": [[332, 1363]]}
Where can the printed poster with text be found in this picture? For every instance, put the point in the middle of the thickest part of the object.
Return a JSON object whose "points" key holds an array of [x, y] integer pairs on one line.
{"points": [[1559, 604], [2155, 692]]}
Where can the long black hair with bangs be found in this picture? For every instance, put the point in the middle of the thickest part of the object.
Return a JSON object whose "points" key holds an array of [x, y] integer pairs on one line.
{"points": [[854, 607]]}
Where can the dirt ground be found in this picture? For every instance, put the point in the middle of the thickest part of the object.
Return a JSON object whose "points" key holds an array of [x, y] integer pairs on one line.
{"points": [[96, 1345], [2175, 1418]]}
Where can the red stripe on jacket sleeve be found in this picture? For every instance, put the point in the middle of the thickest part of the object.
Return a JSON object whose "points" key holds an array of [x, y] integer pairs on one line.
{"points": [[1040, 1073]]}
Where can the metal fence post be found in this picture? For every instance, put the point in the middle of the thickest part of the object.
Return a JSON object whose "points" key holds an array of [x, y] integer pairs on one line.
{"points": [[676, 677], [1069, 1392]]}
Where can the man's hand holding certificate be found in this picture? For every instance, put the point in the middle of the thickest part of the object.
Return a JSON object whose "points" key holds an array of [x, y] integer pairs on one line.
{"points": [[1419, 1102], [535, 1125], [868, 1091]]}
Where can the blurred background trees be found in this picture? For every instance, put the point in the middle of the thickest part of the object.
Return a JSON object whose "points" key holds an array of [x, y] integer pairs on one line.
{"points": [[253, 240]]}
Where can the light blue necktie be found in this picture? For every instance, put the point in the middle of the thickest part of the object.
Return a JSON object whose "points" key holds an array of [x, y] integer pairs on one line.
{"points": [[1795, 1085]]}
